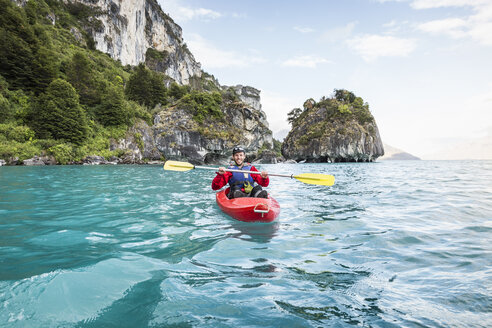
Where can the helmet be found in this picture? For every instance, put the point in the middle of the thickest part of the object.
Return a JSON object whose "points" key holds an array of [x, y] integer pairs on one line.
{"points": [[238, 149]]}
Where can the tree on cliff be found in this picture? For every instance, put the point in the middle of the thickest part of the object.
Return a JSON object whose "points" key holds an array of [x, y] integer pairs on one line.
{"points": [[81, 74], [26, 61], [57, 114], [293, 115], [113, 109], [146, 87], [344, 95]]}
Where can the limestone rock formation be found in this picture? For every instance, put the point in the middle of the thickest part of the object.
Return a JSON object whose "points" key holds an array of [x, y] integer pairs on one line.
{"points": [[179, 136], [248, 95], [338, 129], [139, 31], [176, 134], [127, 29]]}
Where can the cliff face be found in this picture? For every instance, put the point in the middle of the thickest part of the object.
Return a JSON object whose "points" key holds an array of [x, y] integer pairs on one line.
{"points": [[178, 136], [175, 134], [334, 130], [126, 29]]}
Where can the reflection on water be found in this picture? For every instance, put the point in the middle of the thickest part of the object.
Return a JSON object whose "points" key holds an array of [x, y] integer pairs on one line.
{"points": [[255, 232]]}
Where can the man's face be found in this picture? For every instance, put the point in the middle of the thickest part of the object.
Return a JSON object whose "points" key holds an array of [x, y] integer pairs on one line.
{"points": [[239, 158]]}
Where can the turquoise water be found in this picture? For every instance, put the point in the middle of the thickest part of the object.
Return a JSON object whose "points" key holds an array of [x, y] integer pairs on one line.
{"points": [[391, 244]]}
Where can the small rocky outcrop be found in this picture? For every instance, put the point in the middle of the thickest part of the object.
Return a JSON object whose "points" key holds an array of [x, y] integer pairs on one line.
{"points": [[248, 95], [337, 129], [139, 145], [39, 160], [268, 157]]}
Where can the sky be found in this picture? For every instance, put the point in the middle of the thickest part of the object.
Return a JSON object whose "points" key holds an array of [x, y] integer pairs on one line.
{"points": [[423, 66]]}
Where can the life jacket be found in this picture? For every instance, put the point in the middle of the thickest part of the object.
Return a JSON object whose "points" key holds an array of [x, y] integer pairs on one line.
{"points": [[239, 179]]}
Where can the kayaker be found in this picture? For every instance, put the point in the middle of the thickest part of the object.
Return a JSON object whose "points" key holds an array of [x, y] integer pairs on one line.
{"points": [[242, 184]]}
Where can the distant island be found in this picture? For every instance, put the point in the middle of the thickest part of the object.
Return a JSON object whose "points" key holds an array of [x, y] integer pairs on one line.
{"points": [[395, 154]]}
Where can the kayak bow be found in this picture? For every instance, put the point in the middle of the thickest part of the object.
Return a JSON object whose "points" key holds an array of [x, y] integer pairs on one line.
{"points": [[248, 209]]}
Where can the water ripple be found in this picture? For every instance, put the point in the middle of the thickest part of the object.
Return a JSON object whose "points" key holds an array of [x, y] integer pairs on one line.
{"points": [[390, 244]]}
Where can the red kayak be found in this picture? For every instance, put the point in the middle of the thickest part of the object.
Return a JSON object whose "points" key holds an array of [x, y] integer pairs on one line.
{"points": [[248, 209]]}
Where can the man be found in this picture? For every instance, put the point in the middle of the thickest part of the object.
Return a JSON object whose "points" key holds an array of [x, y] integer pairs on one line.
{"points": [[242, 184]]}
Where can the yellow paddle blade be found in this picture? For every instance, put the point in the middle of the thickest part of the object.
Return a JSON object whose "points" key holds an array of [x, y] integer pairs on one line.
{"points": [[316, 178], [178, 166]]}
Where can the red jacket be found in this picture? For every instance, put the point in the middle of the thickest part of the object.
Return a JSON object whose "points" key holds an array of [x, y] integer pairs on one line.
{"points": [[221, 180]]}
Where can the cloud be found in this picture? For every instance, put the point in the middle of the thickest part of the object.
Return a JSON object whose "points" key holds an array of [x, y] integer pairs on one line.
{"points": [[477, 26], [453, 27], [394, 27], [212, 57], [183, 13], [308, 61], [428, 4], [482, 33], [338, 33], [303, 30], [370, 47]]}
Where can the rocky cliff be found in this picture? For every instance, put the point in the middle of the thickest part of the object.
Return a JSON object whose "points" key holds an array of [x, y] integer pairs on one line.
{"points": [[132, 31], [193, 119], [179, 136], [176, 133], [127, 29], [338, 129]]}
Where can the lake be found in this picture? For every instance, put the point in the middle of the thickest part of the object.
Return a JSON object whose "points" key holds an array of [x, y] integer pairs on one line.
{"points": [[391, 244]]}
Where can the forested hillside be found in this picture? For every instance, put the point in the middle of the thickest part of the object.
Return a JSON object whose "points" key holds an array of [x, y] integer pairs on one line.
{"points": [[60, 97]]}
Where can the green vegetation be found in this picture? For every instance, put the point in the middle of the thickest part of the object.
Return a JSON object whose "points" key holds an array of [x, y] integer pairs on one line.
{"points": [[206, 82], [177, 91], [342, 114], [277, 147], [27, 60], [153, 54], [293, 115], [139, 140], [346, 105], [146, 87], [57, 114], [265, 147], [60, 97], [203, 105], [80, 72], [313, 133], [342, 106], [62, 152]]}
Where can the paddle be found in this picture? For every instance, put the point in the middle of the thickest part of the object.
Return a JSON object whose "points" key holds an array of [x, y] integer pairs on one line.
{"points": [[310, 178]]}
